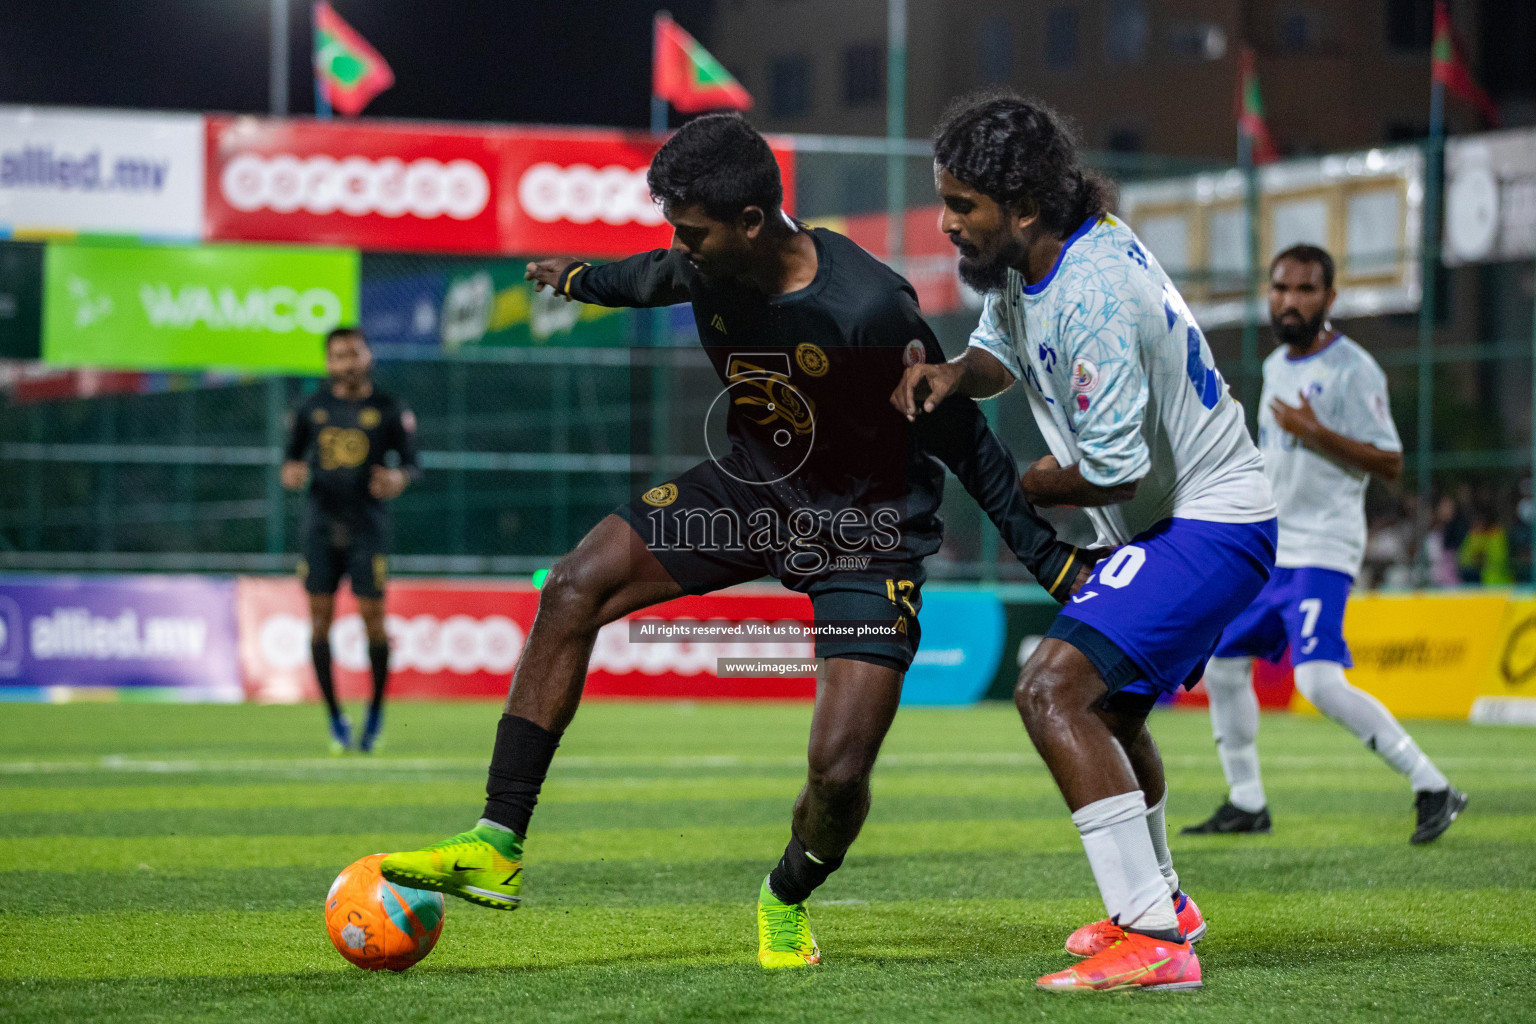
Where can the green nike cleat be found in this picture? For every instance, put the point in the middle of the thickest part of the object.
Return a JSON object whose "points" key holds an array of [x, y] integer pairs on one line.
{"points": [[784, 936], [471, 865]]}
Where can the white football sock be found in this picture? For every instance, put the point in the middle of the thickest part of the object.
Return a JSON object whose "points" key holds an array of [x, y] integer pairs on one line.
{"points": [[1235, 721], [1157, 827], [1119, 848], [1323, 683]]}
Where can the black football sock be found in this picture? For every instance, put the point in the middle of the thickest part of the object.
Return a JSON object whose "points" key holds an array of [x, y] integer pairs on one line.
{"points": [[518, 767], [378, 660], [799, 872], [320, 652]]}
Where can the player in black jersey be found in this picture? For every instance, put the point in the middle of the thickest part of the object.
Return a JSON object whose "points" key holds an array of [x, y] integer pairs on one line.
{"points": [[824, 487], [337, 442]]}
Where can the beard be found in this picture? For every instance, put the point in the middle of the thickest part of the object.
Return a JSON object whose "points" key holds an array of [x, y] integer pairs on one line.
{"points": [[989, 273], [1297, 331]]}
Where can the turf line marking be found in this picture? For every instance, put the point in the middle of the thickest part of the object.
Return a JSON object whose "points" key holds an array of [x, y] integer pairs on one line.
{"points": [[1024, 759]]}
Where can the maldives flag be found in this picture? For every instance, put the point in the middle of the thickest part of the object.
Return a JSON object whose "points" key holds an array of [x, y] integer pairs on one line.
{"points": [[1250, 108], [1447, 66], [684, 73], [348, 71]]}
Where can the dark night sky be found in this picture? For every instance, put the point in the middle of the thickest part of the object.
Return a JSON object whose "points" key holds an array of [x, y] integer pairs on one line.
{"points": [[552, 63]]}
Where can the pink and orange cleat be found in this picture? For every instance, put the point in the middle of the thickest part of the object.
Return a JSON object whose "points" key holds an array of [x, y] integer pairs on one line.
{"points": [[1134, 961], [1092, 939]]}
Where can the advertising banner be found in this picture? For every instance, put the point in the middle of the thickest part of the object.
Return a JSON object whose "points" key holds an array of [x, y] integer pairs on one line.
{"points": [[461, 303], [21, 300], [170, 637], [101, 172], [1422, 655], [1507, 693], [961, 649], [253, 308], [332, 183], [429, 189], [584, 192], [460, 640]]}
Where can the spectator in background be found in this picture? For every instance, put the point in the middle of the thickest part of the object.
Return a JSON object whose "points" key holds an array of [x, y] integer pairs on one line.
{"points": [[1439, 550], [1484, 554], [1388, 558]]}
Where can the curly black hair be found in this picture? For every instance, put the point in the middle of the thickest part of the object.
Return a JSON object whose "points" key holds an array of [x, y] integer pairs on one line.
{"points": [[1022, 154], [717, 162]]}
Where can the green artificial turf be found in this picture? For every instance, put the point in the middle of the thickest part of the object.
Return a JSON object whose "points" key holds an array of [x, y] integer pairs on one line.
{"points": [[164, 862]]}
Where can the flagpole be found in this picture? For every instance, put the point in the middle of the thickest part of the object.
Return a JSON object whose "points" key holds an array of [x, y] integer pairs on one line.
{"points": [[277, 65], [322, 103], [661, 441], [895, 131], [1429, 262]]}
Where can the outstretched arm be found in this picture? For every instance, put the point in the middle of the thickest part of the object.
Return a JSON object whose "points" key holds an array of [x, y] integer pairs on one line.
{"points": [[655, 278]]}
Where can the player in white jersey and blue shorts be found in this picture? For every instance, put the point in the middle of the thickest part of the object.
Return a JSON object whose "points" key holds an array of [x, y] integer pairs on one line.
{"points": [[1143, 435], [1325, 427]]}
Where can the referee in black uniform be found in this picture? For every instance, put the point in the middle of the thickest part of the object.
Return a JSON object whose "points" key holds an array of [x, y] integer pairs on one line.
{"points": [[337, 443]]}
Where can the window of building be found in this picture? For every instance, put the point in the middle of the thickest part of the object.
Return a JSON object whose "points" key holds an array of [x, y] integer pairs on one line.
{"points": [[789, 86], [1125, 32], [1410, 24], [863, 74], [994, 51], [1300, 31], [1196, 40], [1061, 38]]}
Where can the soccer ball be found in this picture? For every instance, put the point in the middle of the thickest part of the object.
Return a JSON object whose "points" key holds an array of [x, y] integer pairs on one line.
{"points": [[377, 924]]}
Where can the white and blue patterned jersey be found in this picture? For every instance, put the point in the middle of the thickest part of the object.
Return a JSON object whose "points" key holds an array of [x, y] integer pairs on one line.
{"points": [[1122, 383], [1322, 502]]}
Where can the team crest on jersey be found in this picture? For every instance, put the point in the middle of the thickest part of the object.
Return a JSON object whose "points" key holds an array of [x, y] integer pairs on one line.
{"points": [[915, 354], [812, 359], [319, 416], [369, 418], [660, 496], [1085, 377], [1312, 391]]}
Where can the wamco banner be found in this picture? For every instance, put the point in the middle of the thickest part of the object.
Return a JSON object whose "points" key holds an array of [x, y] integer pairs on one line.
{"points": [[253, 308], [100, 172]]}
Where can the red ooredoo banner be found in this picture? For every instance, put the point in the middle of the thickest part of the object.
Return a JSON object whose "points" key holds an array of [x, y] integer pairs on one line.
{"points": [[272, 180], [507, 190], [462, 640]]}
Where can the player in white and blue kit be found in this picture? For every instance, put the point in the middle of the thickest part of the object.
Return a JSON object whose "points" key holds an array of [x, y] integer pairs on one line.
{"points": [[1325, 427], [1143, 435]]}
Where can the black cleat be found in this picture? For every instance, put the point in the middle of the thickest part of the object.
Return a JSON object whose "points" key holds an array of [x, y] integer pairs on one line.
{"points": [[1231, 820], [1437, 809]]}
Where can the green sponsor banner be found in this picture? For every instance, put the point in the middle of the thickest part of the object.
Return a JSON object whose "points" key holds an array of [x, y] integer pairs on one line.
{"points": [[492, 305], [21, 299], [261, 309]]}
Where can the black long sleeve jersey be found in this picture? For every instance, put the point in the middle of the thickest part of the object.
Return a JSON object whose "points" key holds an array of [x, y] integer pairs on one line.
{"points": [[807, 381], [343, 439]]}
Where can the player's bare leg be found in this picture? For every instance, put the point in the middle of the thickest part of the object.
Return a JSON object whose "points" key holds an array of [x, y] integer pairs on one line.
{"points": [[1059, 697], [610, 574], [371, 609], [855, 704], [607, 576], [1126, 719], [322, 612]]}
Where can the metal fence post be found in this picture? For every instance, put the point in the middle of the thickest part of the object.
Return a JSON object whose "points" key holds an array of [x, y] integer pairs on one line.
{"points": [[277, 508]]}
